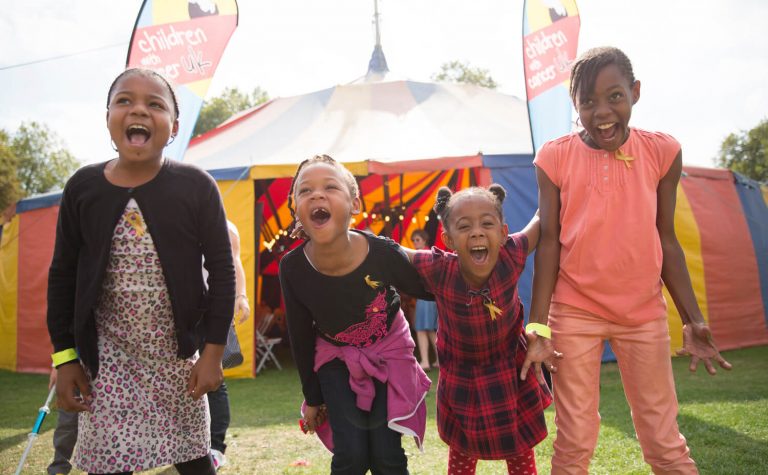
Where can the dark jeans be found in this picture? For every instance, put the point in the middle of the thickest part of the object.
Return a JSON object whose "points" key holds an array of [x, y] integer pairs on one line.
{"points": [[64, 439], [218, 404], [218, 401], [361, 439]]}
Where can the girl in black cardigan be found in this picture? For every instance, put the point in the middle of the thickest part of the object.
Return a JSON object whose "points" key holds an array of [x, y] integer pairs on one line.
{"points": [[126, 299]]}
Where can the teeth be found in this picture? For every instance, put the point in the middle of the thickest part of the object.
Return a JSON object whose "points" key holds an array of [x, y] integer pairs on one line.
{"points": [[479, 248], [140, 127], [605, 126]]}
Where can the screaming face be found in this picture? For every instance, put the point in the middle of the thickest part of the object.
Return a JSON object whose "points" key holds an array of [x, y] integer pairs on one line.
{"points": [[324, 203], [605, 112], [475, 231], [141, 117]]}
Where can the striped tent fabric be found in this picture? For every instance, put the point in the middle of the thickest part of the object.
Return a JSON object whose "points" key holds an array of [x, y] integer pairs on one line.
{"points": [[722, 224], [26, 249]]}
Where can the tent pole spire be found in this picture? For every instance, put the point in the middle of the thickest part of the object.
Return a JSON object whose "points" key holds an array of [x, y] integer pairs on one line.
{"points": [[377, 66], [376, 22]]}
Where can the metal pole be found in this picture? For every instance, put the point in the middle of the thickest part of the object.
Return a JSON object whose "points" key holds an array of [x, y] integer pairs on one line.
{"points": [[376, 21], [42, 412]]}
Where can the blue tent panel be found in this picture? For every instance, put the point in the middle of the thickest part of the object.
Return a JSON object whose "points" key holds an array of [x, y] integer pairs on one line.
{"points": [[517, 175], [756, 214], [39, 201], [234, 173]]}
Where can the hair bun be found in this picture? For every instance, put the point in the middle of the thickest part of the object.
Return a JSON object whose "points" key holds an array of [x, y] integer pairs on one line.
{"points": [[498, 191]]}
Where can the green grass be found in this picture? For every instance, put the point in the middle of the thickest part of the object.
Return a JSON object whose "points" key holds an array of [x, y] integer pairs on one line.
{"points": [[724, 418]]}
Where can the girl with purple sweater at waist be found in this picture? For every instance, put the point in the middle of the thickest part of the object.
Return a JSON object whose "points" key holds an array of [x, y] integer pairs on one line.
{"points": [[350, 341]]}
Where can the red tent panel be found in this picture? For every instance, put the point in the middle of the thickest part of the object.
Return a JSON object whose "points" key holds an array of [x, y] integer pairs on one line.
{"points": [[37, 230]]}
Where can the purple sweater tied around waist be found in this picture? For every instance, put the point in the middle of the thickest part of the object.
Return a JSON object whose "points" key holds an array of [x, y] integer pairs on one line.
{"points": [[391, 361]]}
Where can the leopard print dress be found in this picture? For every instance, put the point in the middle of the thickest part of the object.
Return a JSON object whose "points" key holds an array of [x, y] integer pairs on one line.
{"points": [[142, 416]]}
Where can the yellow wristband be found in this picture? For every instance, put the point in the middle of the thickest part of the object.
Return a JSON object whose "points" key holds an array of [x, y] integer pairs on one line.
{"points": [[540, 329], [64, 356]]}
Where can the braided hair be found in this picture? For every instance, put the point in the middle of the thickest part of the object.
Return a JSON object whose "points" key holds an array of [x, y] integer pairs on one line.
{"points": [[587, 66], [446, 199], [147, 73], [349, 179]]}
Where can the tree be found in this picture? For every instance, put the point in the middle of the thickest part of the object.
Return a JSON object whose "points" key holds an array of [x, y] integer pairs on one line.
{"points": [[43, 164], [747, 152], [10, 192], [229, 103], [460, 72]]}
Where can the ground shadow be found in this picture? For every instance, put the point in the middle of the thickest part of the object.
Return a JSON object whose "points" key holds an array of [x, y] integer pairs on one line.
{"points": [[721, 441], [12, 440]]}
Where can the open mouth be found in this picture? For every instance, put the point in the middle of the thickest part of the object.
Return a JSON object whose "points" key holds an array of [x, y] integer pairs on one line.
{"points": [[479, 254], [607, 131], [138, 134], [319, 215]]}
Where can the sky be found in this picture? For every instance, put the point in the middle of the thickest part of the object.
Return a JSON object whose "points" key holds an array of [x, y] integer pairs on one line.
{"points": [[703, 64]]}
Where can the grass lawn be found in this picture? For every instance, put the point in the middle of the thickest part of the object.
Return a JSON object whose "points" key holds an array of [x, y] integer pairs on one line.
{"points": [[724, 418]]}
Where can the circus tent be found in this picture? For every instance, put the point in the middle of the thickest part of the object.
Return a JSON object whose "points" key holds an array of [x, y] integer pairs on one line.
{"points": [[403, 139]]}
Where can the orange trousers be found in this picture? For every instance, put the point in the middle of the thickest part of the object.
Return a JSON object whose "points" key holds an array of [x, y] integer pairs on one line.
{"points": [[642, 353]]}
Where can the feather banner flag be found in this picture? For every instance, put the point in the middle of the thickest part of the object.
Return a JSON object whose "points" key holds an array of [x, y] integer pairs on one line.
{"points": [[184, 41], [550, 40]]}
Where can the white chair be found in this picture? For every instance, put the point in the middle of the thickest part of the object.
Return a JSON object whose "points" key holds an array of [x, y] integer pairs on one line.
{"points": [[265, 344]]}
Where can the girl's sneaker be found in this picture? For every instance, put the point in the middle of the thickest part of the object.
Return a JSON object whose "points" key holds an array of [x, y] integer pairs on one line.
{"points": [[219, 459]]}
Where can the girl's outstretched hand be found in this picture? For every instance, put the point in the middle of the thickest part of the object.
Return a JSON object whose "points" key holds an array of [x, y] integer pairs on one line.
{"points": [[698, 344], [540, 350], [73, 393], [207, 373]]}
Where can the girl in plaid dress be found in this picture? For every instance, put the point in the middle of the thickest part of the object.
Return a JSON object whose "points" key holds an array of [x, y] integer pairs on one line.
{"points": [[484, 411]]}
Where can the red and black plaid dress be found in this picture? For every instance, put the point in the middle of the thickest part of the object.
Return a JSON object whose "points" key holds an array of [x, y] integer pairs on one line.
{"points": [[483, 408]]}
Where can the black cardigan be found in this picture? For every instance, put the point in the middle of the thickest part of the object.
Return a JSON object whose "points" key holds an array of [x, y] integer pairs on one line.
{"points": [[184, 214]]}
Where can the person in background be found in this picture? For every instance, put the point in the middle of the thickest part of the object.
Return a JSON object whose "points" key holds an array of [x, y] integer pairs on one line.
{"points": [[218, 400], [64, 437], [425, 312]]}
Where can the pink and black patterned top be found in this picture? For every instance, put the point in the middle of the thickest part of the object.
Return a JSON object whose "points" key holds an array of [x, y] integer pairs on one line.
{"points": [[356, 309], [483, 408]]}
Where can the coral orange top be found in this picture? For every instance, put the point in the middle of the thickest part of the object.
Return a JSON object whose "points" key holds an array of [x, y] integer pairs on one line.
{"points": [[610, 257]]}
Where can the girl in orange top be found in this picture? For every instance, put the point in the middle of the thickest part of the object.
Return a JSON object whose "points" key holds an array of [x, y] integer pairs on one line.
{"points": [[607, 203]]}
